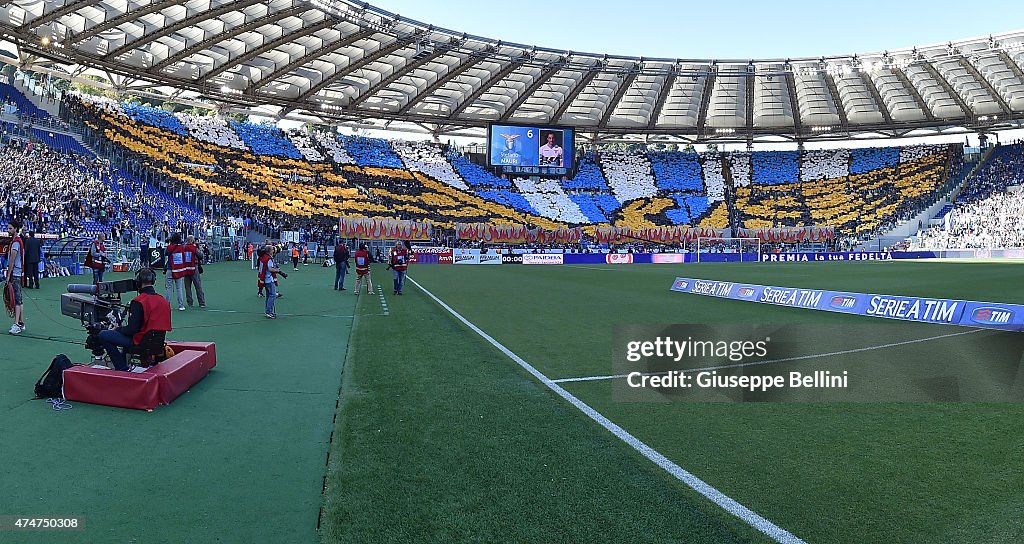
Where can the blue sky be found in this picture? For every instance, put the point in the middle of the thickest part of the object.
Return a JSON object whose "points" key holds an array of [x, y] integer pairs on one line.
{"points": [[718, 29]]}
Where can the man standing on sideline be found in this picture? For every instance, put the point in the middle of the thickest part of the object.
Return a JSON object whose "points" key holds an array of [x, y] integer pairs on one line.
{"points": [[97, 258], [399, 262], [33, 253], [194, 279], [295, 257], [176, 269], [15, 272], [362, 258], [341, 256], [268, 273]]}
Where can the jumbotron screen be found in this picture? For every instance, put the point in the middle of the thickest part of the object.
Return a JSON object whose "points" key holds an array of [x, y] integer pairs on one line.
{"points": [[522, 149]]}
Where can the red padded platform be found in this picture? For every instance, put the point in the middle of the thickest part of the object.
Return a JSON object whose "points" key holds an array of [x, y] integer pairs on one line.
{"points": [[177, 374], [158, 385], [209, 347], [112, 387]]}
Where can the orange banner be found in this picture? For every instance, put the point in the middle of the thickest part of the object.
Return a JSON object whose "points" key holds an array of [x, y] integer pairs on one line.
{"points": [[789, 235], [383, 229], [515, 234], [659, 235]]}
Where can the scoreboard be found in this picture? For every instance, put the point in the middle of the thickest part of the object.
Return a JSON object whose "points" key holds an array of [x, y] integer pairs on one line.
{"points": [[531, 150]]}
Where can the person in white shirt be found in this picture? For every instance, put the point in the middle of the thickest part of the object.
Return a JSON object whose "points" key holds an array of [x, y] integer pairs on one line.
{"points": [[551, 153]]}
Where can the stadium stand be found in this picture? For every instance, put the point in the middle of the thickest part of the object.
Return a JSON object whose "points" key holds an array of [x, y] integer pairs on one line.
{"points": [[304, 143], [332, 146], [376, 178], [588, 176], [824, 164], [210, 129], [266, 139], [371, 152], [154, 117], [429, 159], [866, 159], [989, 213], [474, 175], [549, 199], [674, 171], [9, 95], [775, 167], [628, 175]]}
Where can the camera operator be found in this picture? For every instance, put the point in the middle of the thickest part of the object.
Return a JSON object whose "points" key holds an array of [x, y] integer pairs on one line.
{"points": [[147, 312]]}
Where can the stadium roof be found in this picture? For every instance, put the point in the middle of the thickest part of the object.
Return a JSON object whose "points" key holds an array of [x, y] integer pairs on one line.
{"points": [[342, 60]]}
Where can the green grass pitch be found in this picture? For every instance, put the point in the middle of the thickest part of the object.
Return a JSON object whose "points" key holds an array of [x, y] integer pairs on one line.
{"points": [[430, 434]]}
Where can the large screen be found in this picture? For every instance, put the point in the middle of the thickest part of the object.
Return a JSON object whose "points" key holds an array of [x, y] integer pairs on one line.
{"points": [[522, 149]]}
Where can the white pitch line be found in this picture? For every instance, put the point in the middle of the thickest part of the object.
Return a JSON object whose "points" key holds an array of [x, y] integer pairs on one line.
{"points": [[728, 504], [383, 303], [770, 361]]}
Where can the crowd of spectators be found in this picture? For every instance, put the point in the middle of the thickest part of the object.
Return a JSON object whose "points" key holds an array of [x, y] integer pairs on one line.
{"points": [[990, 211], [51, 191]]}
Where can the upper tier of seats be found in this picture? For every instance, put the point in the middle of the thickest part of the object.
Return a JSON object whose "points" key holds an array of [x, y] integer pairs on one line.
{"points": [[623, 188], [10, 94]]}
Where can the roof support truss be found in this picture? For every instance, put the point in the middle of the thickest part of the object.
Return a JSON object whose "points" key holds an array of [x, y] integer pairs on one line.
{"points": [[399, 73], [571, 97], [627, 80], [988, 86], [254, 24], [949, 90], [327, 22], [340, 43], [181, 25], [902, 76], [794, 103], [526, 94], [352, 67], [659, 103], [453, 73], [483, 88], [705, 102]]}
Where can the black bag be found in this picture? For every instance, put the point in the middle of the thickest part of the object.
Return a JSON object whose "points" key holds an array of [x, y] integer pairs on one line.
{"points": [[51, 383]]}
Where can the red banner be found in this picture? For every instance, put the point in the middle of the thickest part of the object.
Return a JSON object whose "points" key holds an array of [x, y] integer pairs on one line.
{"points": [[659, 235], [383, 229], [789, 235], [514, 234]]}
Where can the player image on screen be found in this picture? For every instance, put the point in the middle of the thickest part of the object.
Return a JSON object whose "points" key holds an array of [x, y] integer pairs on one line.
{"points": [[551, 153]]}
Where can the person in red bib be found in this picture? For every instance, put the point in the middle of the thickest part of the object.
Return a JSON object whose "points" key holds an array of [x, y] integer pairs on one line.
{"points": [[147, 313], [179, 263], [399, 262], [97, 258], [362, 258], [268, 271]]}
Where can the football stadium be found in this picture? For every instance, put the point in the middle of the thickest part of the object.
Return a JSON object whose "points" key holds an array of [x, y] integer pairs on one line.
{"points": [[598, 297]]}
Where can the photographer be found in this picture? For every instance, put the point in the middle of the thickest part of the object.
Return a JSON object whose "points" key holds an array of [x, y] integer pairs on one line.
{"points": [[178, 265], [196, 254], [147, 312], [268, 275], [15, 272], [96, 259], [399, 262]]}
